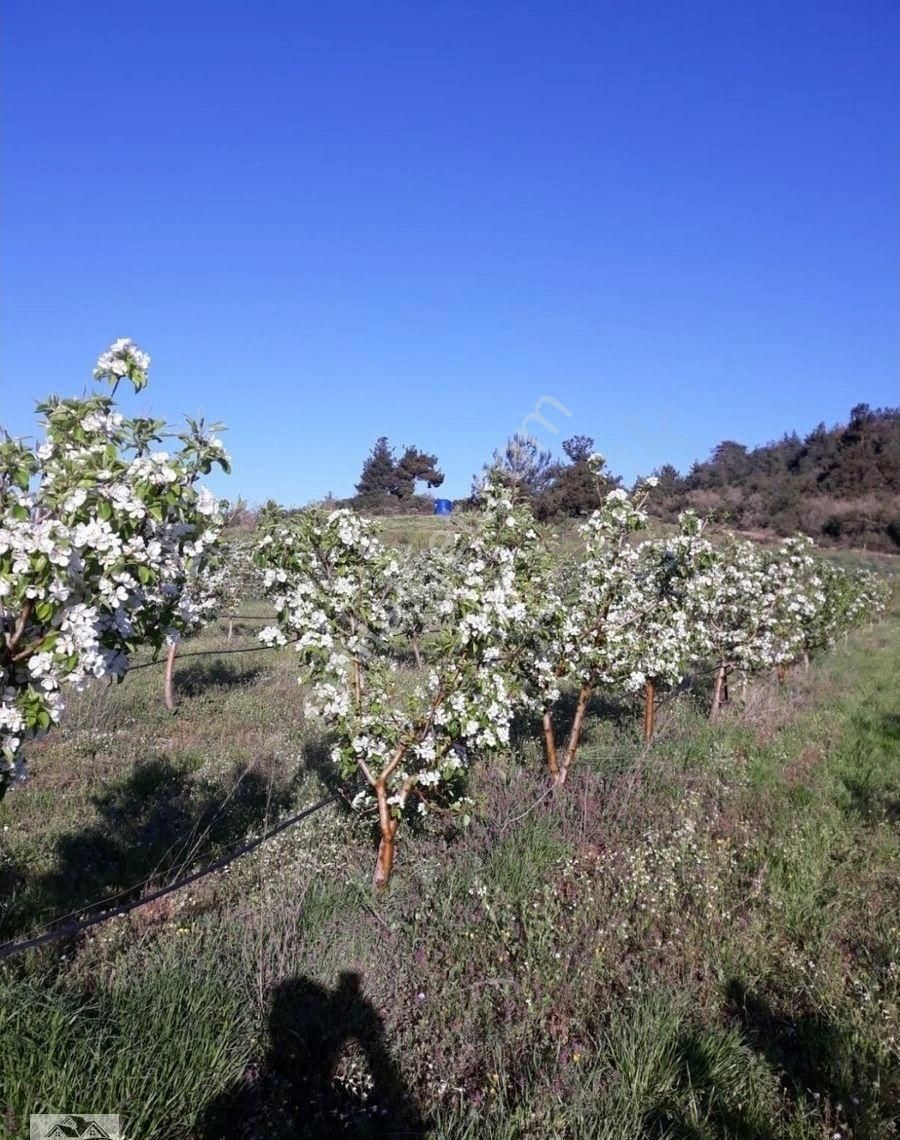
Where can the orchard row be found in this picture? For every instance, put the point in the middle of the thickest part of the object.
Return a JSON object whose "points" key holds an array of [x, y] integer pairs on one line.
{"points": [[501, 626], [108, 543]]}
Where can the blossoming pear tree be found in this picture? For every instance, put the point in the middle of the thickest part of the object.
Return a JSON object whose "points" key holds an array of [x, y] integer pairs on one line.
{"points": [[655, 618], [216, 582], [758, 608], [236, 576], [96, 529], [204, 585], [848, 600], [589, 623], [797, 597], [732, 602], [334, 587]]}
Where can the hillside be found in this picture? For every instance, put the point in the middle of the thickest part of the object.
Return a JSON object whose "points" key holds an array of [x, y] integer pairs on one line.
{"points": [[839, 484]]}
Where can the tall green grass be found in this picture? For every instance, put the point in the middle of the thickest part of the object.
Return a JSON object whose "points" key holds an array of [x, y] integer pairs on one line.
{"points": [[695, 942]]}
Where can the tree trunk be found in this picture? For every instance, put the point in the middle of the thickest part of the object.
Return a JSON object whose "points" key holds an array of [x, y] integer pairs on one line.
{"points": [[649, 710], [384, 861], [805, 662], [574, 736], [781, 673], [230, 629], [550, 743], [720, 692], [169, 681], [417, 652]]}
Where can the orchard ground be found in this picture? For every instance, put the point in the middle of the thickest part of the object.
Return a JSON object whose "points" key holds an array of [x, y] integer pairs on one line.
{"points": [[695, 940]]}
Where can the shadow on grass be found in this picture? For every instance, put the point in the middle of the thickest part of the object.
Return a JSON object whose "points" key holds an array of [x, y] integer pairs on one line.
{"points": [[890, 726], [317, 760], [869, 800], [295, 1090], [821, 1065], [158, 822], [196, 678]]}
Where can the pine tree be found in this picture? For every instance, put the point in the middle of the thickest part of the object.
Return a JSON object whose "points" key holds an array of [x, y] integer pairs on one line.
{"points": [[386, 478], [378, 477]]}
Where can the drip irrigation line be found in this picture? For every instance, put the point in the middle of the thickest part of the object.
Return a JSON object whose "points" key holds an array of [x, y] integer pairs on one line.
{"points": [[209, 653], [10, 949]]}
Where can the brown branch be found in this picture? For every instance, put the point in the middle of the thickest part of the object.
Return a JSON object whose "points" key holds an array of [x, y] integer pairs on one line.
{"points": [[27, 650], [718, 688], [24, 618], [384, 860], [393, 763]]}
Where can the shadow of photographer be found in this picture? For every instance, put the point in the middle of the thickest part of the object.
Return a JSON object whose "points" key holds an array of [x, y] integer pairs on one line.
{"points": [[302, 1089]]}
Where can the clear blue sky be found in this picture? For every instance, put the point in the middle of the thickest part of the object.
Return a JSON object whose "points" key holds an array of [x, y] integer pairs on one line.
{"points": [[333, 221]]}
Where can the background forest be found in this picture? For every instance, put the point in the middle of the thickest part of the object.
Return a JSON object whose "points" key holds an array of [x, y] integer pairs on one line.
{"points": [[841, 485]]}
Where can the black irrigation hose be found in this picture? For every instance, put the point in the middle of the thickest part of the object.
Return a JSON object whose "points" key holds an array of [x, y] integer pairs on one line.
{"points": [[9, 949], [208, 653]]}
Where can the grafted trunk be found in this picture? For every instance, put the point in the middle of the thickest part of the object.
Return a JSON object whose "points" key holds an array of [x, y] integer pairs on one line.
{"points": [[550, 743], [649, 710], [384, 860], [574, 736], [169, 678]]}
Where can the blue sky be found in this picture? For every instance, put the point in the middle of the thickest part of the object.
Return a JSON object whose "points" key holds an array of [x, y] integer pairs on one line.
{"points": [[330, 222]]}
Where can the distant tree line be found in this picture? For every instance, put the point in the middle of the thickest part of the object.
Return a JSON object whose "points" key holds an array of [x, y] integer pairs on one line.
{"points": [[840, 485]]}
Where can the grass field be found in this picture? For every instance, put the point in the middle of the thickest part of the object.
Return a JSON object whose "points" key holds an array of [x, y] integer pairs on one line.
{"points": [[697, 940]]}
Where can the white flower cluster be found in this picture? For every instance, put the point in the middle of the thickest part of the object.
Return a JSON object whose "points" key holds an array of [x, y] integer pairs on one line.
{"points": [[123, 358], [754, 608], [97, 536]]}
